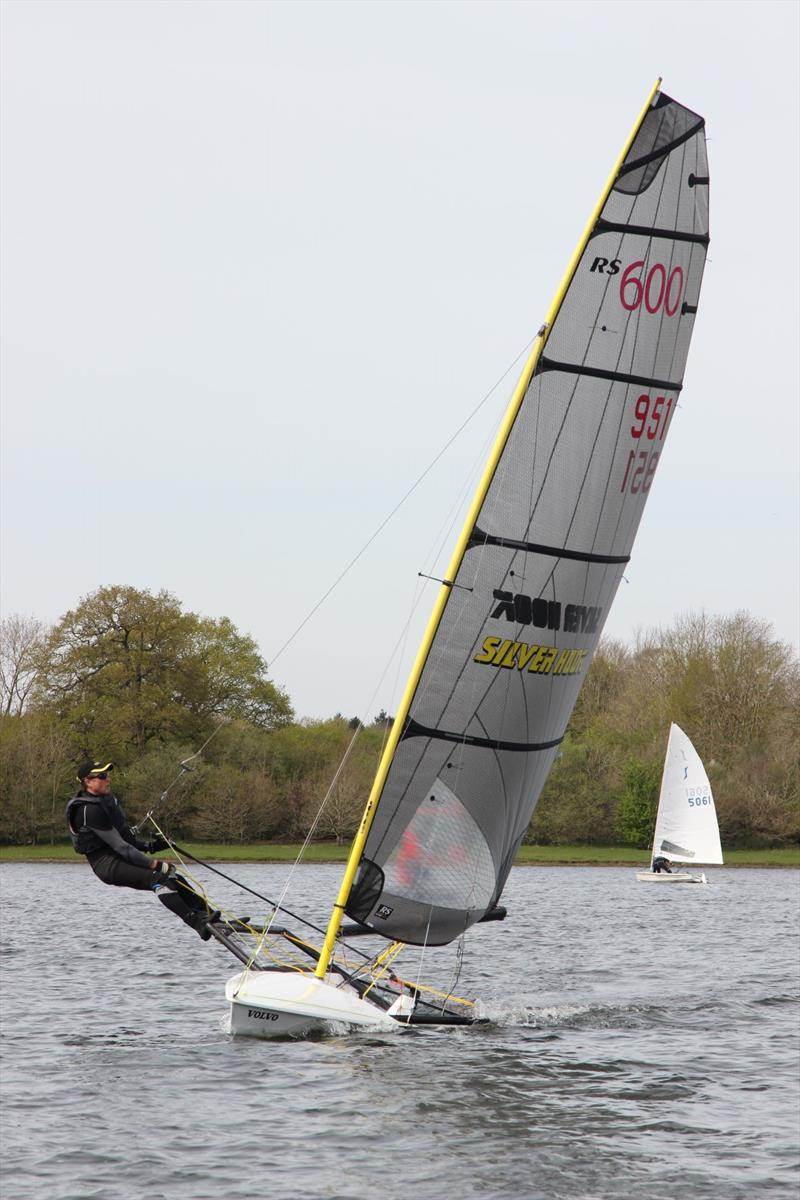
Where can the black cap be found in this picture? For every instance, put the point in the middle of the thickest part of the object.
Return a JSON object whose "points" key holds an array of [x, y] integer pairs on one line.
{"points": [[93, 768]]}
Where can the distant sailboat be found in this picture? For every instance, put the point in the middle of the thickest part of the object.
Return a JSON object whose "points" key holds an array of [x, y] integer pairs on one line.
{"points": [[519, 612], [686, 825]]}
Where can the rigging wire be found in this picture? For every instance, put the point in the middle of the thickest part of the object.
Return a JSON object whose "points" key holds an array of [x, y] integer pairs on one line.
{"points": [[266, 930], [184, 765], [402, 501], [184, 769], [184, 853]]}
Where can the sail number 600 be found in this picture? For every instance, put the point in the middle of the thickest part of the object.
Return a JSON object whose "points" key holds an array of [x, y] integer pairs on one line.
{"points": [[657, 290]]}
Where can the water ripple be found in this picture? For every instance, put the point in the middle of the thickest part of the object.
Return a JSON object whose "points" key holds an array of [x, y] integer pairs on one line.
{"points": [[624, 1046]]}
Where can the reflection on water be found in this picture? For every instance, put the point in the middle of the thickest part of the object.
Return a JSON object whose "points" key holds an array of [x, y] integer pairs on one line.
{"points": [[632, 1036]]}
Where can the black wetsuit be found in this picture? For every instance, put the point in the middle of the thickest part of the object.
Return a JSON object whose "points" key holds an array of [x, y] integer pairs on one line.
{"points": [[99, 829], [662, 864]]}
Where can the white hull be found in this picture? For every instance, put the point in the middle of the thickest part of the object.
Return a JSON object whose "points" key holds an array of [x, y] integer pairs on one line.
{"points": [[676, 877], [270, 1004]]}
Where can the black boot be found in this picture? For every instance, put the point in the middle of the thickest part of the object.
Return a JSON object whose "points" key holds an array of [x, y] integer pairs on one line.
{"points": [[196, 919]]}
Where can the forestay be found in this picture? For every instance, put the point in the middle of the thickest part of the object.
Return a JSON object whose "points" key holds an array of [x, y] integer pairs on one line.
{"points": [[546, 544], [686, 825]]}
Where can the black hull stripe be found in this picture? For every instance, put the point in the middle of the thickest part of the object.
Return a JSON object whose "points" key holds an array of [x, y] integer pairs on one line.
{"points": [[548, 364], [661, 151], [671, 235], [413, 729], [479, 538]]}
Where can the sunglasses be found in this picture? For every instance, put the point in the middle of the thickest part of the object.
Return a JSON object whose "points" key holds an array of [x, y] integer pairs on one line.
{"points": [[99, 775]]}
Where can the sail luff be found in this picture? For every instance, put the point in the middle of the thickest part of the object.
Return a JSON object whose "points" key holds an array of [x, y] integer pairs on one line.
{"points": [[445, 591]]}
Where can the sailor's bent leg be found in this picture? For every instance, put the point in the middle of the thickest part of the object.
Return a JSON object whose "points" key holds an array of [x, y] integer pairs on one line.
{"points": [[194, 918], [118, 873]]}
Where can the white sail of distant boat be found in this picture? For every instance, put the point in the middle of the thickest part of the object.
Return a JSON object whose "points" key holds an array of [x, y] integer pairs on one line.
{"points": [[518, 614], [686, 829]]}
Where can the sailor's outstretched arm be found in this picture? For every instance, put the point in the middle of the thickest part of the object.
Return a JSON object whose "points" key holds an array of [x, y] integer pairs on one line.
{"points": [[117, 843]]}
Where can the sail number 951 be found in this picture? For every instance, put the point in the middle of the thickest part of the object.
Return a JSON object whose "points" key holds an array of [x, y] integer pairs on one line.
{"points": [[651, 417], [650, 420]]}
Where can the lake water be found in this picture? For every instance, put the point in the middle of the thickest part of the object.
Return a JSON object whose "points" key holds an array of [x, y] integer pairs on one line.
{"points": [[645, 1041]]}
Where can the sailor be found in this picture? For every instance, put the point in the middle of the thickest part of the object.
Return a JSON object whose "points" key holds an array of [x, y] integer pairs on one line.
{"points": [[662, 864], [99, 829], [409, 859]]}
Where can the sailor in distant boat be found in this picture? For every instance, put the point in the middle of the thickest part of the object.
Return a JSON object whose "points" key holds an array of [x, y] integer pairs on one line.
{"points": [[99, 829], [409, 859], [662, 864]]}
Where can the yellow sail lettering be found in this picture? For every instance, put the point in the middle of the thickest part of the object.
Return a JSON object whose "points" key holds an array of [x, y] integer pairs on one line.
{"points": [[540, 660], [570, 662], [540, 663], [525, 655], [501, 653], [548, 660], [490, 644], [558, 669], [508, 660]]}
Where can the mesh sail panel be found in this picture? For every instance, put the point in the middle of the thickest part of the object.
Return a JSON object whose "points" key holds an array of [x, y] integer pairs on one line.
{"points": [[547, 552]]}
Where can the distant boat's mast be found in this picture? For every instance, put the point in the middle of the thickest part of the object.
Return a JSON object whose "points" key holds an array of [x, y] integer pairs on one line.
{"points": [[444, 593]]}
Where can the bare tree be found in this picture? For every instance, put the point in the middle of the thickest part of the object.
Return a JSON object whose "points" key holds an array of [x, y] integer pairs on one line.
{"points": [[343, 807], [21, 643]]}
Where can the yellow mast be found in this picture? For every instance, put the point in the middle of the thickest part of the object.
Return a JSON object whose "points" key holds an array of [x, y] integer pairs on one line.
{"points": [[508, 421]]}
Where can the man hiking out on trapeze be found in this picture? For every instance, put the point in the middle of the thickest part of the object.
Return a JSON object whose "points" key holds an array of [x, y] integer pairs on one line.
{"points": [[99, 829]]}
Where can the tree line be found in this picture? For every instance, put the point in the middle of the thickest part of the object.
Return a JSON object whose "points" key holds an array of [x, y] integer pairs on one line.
{"points": [[134, 676]]}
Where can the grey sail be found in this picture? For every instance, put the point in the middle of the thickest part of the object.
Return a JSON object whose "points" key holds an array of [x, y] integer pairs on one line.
{"points": [[545, 550]]}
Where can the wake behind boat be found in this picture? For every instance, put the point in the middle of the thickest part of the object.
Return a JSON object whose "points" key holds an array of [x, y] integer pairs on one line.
{"points": [[518, 615], [686, 825]]}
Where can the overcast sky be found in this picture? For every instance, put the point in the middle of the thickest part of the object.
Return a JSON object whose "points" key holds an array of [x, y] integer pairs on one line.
{"points": [[261, 261]]}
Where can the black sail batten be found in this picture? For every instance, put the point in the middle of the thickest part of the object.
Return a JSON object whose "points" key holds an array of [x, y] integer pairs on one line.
{"points": [[479, 538], [649, 231], [549, 364], [549, 531], [662, 151], [414, 729]]}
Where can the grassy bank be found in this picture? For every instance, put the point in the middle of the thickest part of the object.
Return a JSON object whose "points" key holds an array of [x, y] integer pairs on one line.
{"points": [[330, 852]]}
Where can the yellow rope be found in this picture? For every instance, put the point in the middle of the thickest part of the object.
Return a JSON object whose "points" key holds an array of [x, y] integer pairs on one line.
{"points": [[265, 944]]}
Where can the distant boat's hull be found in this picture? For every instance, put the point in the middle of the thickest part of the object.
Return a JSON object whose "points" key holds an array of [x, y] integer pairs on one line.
{"points": [[675, 877], [270, 1004]]}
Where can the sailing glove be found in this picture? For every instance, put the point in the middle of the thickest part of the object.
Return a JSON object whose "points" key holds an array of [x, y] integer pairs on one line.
{"points": [[157, 843], [165, 868]]}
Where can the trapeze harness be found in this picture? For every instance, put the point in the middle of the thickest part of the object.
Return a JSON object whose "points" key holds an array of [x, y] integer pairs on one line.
{"points": [[98, 829]]}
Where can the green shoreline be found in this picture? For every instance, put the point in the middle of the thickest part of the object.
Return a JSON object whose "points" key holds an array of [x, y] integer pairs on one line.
{"points": [[330, 852]]}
